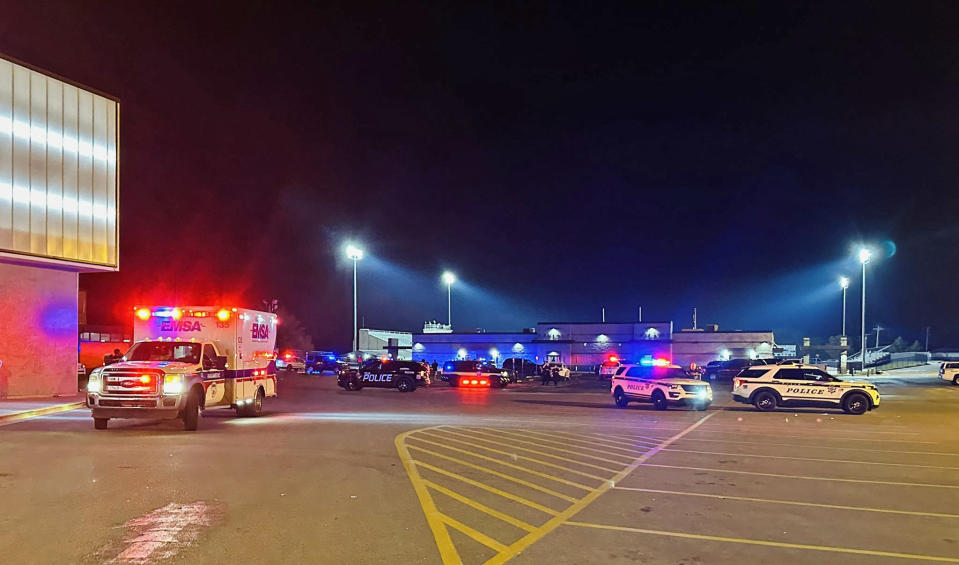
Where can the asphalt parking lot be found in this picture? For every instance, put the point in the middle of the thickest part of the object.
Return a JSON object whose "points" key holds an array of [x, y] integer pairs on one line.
{"points": [[526, 474]]}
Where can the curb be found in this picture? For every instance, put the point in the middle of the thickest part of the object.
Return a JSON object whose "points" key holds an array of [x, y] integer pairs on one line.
{"points": [[26, 414]]}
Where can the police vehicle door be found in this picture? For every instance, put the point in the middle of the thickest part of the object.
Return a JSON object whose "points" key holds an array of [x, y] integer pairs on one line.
{"points": [[375, 374], [805, 384], [638, 382], [216, 392]]}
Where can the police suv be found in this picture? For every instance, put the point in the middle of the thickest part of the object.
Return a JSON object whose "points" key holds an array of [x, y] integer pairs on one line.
{"points": [[475, 374], [661, 383], [767, 387], [404, 376]]}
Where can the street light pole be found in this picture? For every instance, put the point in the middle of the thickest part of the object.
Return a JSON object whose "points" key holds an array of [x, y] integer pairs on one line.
{"points": [[354, 253], [449, 278], [844, 283], [864, 256]]}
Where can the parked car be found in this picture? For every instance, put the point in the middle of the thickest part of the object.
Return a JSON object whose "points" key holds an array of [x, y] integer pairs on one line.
{"points": [[519, 368], [726, 370], [290, 363], [949, 372], [474, 374], [319, 361]]}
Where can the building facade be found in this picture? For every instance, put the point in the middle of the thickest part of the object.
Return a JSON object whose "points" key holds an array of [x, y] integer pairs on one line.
{"points": [[59, 202]]}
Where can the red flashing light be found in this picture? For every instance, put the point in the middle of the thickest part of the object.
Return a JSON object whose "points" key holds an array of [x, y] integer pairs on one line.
{"points": [[223, 315], [176, 313], [145, 379], [614, 359], [288, 355], [143, 314], [482, 382]]}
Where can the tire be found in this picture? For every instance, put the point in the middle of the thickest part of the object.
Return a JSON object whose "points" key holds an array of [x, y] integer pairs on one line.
{"points": [[289, 368], [764, 401], [955, 380], [659, 400], [351, 384], [191, 412], [405, 385], [100, 423], [855, 403], [619, 397]]}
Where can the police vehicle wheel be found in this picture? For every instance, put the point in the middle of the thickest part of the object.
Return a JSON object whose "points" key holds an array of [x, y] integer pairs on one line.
{"points": [[765, 401], [856, 403], [100, 423], [955, 380], [620, 398], [191, 412], [659, 401], [405, 385], [352, 384]]}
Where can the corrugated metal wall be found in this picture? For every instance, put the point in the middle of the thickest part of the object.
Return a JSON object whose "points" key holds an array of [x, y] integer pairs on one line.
{"points": [[58, 169]]}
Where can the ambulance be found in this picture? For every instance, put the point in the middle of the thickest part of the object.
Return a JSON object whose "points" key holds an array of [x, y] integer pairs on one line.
{"points": [[187, 359]]}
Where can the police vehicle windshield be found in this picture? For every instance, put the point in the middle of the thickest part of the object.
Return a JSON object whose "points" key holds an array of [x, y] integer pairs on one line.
{"points": [[164, 351]]}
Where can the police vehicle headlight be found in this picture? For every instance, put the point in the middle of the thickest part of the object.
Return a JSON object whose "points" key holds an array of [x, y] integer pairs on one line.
{"points": [[504, 374], [172, 384], [95, 382]]}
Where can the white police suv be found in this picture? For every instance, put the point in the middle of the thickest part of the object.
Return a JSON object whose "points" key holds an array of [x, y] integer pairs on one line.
{"points": [[661, 383], [769, 386]]}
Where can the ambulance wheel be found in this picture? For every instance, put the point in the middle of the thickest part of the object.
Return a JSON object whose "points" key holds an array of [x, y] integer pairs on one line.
{"points": [[659, 400], [619, 397], [764, 401], [856, 403], [191, 412], [255, 408], [405, 385], [100, 423]]}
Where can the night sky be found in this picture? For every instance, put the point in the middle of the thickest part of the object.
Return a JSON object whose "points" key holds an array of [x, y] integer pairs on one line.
{"points": [[558, 158]]}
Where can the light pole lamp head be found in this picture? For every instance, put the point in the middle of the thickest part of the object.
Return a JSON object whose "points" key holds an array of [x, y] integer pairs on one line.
{"points": [[449, 278], [844, 282], [354, 252], [864, 255]]}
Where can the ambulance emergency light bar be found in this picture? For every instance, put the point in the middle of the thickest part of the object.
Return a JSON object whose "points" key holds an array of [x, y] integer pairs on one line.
{"points": [[176, 313]]}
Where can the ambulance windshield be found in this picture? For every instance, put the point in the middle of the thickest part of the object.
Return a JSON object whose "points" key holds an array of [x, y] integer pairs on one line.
{"points": [[164, 351]]}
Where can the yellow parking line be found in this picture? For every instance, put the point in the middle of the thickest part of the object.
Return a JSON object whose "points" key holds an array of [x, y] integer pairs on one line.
{"points": [[518, 546], [777, 444], [863, 481], [820, 460], [478, 536], [606, 448], [444, 543], [509, 444], [481, 507], [533, 486], [504, 463], [508, 454], [791, 502], [487, 488], [767, 543], [580, 449]]}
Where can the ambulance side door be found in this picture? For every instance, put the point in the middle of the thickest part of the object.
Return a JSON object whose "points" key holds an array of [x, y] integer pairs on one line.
{"points": [[213, 377]]}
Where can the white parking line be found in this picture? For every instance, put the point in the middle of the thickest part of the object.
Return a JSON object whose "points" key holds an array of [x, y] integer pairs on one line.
{"points": [[802, 477], [790, 502], [820, 460], [823, 434], [769, 444]]}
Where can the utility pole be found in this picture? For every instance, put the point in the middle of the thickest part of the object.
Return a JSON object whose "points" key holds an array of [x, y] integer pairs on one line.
{"points": [[640, 313], [878, 329], [604, 314], [694, 317], [927, 339]]}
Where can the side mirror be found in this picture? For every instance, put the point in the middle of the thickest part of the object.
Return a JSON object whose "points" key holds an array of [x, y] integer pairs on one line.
{"points": [[220, 362]]}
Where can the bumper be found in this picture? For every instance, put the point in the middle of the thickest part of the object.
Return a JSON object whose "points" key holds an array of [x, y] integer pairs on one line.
{"points": [[163, 406], [691, 401], [742, 399]]}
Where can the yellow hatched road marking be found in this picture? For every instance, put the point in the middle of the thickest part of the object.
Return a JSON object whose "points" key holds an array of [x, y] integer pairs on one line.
{"points": [[509, 444], [504, 463], [507, 453], [605, 449], [894, 483], [630, 457], [767, 543], [611, 443], [533, 486], [518, 546], [481, 507], [476, 535], [815, 459], [790, 502], [487, 488]]}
